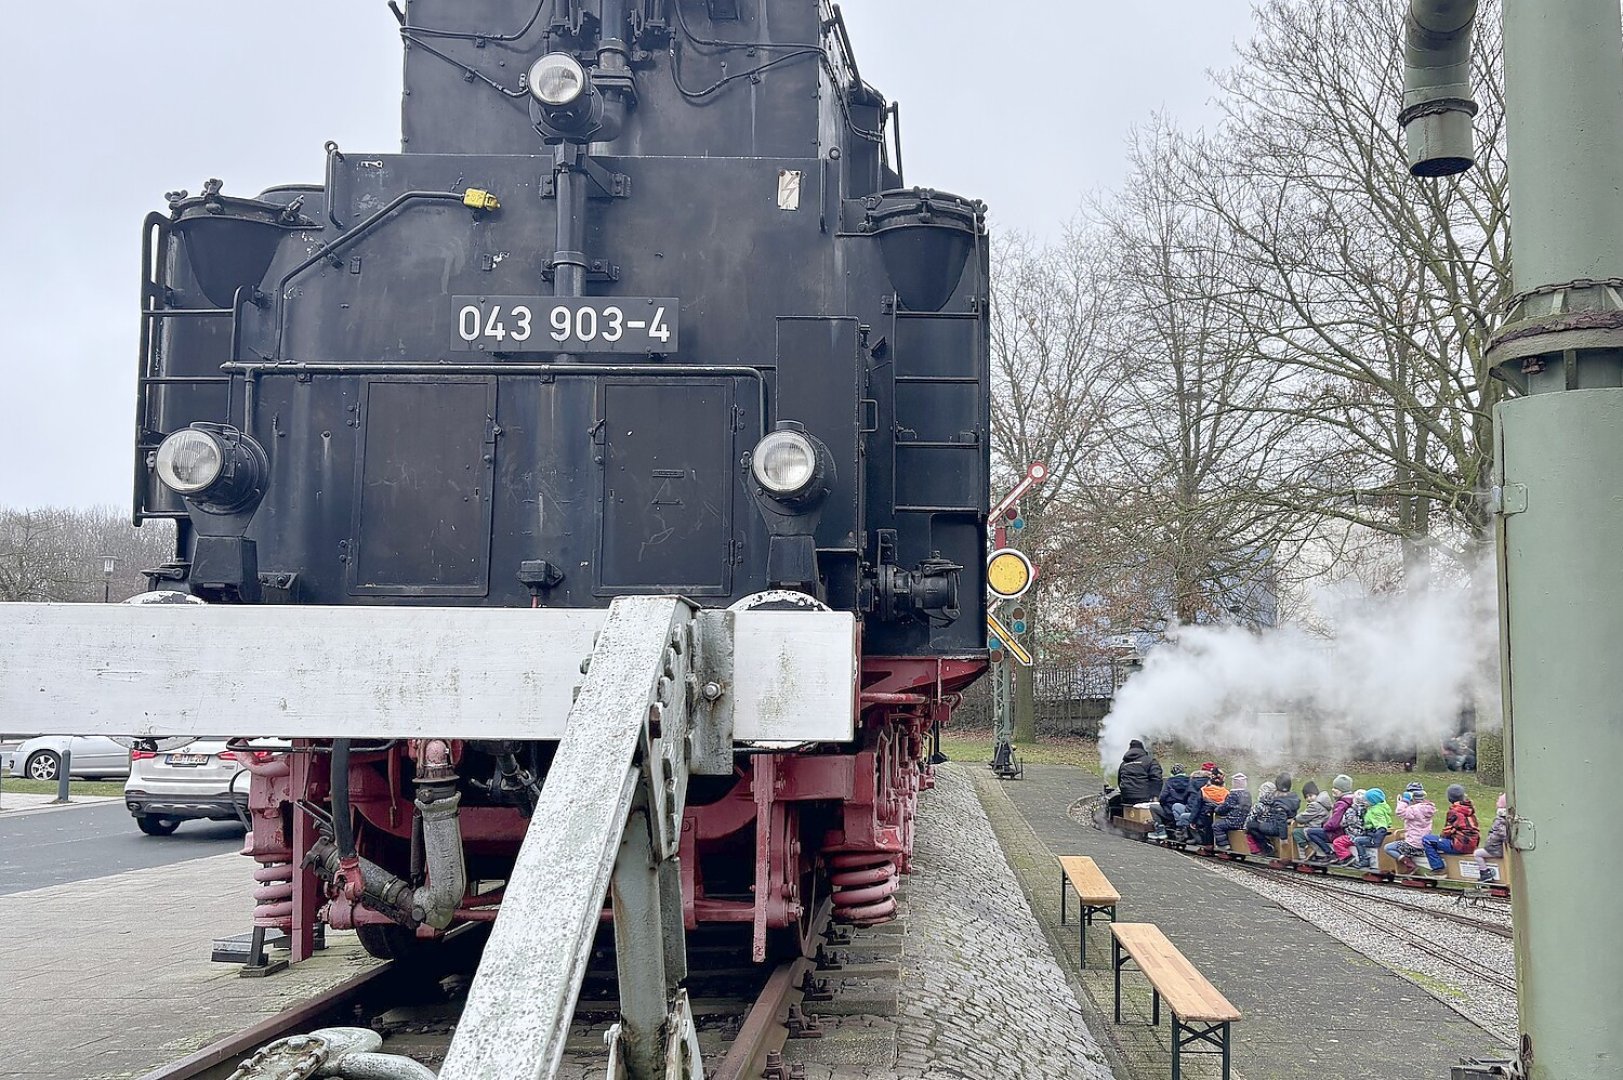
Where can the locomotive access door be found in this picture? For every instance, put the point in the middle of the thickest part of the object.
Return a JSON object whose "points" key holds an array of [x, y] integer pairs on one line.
{"points": [[423, 488], [669, 478]]}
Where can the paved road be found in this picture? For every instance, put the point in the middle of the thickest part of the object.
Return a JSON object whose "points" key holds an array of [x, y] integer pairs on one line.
{"points": [[61, 846]]}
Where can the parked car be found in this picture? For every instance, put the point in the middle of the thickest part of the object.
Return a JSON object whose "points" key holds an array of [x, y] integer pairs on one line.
{"points": [[202, 779], [92, 755]]}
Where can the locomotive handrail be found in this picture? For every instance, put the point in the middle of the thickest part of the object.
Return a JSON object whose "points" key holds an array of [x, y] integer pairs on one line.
{"points": [[332, 246]]}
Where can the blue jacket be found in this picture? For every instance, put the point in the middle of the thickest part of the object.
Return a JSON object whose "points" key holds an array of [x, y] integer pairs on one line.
{"points": [[1232, 814], [1178, 789]]}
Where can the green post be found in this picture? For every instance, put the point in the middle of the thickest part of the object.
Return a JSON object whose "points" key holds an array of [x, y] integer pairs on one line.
{"points": [[1558, 489], [1560, 497]]}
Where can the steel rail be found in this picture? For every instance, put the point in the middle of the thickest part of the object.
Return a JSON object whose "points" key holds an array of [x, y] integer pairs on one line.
{"points": [[1336, 885], [764, 1029], [271, 1028]]}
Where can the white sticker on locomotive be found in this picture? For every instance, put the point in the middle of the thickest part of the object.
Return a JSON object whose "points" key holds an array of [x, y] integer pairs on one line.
{"points": [[543, 324]]}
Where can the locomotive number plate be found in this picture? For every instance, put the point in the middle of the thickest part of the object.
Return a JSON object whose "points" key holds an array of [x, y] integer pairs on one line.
{"points": [[527, 324]]}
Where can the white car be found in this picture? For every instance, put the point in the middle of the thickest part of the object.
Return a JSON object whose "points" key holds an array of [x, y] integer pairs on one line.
{"points": [[90, 756], [170, 784]]}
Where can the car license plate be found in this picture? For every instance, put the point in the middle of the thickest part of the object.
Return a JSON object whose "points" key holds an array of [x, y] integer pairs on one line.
{"points": [[186, 759], [530, 324]]}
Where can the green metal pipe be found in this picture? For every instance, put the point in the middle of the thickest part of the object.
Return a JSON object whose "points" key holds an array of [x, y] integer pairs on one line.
{"points": [[1561, 611], [1564, 105], [1561, 524], [1437, 104]]}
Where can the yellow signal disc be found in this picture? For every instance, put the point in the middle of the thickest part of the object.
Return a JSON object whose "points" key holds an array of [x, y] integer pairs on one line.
{"points": [[1008, 573]]}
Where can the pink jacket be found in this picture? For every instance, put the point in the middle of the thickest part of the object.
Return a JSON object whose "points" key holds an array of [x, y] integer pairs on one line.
{"points": [[1417, 818]]}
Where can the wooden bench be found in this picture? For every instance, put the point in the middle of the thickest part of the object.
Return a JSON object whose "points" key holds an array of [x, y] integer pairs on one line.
{"points": [[1094, 894], [1199, 1013]]}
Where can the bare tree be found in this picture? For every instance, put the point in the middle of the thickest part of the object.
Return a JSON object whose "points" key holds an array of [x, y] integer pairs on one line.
{"points": [[1376, 291], [1192, 512], [57, 554]]}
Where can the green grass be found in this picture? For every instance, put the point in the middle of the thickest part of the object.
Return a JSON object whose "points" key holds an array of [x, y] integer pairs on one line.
{"points": [[976, 746], [1436, 986], [1436, 784], [76, 787]]}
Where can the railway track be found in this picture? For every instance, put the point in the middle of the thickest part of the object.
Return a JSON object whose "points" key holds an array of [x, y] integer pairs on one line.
{"points": [[1347, 901], [1333, 885], [745, 1012]]}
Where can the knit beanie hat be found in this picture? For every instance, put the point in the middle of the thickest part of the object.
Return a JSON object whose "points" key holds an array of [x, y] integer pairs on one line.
{"points": [[1208, 766], [1455, 793], [1375, 796], [1309, 789], [1177, 770], [1266, 790], [1237, 781], [1361, 796], [1501, 803], [1283, 782], [1342, 783], [1415, 790]]}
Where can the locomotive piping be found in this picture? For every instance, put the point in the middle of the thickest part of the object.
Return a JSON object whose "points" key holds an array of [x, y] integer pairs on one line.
{"points": [[343, 828], [436, 902], [1437, 102]]}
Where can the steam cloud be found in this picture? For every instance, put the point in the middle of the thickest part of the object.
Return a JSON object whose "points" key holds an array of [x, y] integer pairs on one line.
{"points": [[1394, 674]]}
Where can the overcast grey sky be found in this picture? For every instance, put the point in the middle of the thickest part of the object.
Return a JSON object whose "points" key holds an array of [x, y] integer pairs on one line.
{"points": [[1025, 105]]}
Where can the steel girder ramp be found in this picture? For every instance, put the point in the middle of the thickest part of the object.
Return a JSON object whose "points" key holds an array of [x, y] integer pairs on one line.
{"points": [[608, 822]]}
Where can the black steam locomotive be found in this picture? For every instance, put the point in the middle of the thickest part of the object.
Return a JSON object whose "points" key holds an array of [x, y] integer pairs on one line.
{"points": [[643, 305]]}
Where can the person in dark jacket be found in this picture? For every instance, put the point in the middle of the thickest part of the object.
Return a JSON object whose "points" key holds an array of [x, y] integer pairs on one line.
{"points": [[1288, 800], [1139, 777], [1231, 814], [1174, 809]]}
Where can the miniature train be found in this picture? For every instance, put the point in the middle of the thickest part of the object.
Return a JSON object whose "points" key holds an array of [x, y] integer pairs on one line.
{"points": [[1461, 870], [644, 307]]}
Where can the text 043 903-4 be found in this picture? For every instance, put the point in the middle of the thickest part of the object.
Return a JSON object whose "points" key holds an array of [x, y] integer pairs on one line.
{"points": [[531, 324]]}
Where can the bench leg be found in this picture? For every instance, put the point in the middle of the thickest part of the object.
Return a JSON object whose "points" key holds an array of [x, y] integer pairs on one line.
{"points": [[1155, 1007], [1062, 893], [1226, 1028], [1082, 935], [1115, 960], [1177, 1048]]}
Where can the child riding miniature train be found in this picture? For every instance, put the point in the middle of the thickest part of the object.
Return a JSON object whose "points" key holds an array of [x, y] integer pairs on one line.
{"points": [[1343, 827]]}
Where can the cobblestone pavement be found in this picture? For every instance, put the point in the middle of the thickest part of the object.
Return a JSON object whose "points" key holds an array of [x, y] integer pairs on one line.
{"points": [[109, 978], [982, 994]]}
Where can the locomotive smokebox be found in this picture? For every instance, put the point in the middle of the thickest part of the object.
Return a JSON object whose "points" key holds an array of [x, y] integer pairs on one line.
{"points": [[925, 238]]}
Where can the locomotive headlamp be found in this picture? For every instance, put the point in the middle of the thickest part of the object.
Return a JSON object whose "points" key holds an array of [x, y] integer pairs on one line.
{"points": [[785, 463], [217, 468], [557, 80], [793, 473], [189, 461]]}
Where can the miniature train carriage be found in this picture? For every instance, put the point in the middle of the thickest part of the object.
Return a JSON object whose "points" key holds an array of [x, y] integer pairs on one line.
{"points": [[644, 306]]}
